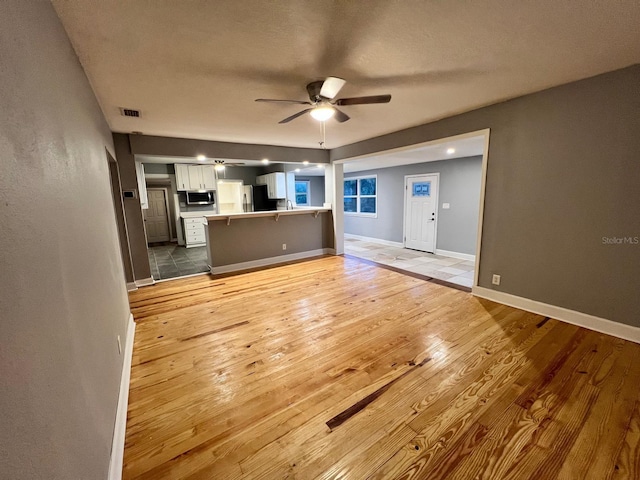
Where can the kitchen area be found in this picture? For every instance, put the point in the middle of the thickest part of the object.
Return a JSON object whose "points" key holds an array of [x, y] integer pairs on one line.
{"points": [[177, 195]]}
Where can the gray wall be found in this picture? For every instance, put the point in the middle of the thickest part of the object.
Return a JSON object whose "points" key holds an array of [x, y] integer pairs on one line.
{"points": [[460, 181], [251, 239], [132, 209], [246, 174], [159, 168], [562, 174], [187, 147], [63, 298], [316, 186]]}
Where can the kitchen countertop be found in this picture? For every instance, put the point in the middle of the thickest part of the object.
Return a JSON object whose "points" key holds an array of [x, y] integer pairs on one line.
{"points": [[197, 214], [270, 213]]}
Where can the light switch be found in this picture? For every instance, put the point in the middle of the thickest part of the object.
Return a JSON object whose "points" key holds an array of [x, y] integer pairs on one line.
{"points": [[446, 206]]}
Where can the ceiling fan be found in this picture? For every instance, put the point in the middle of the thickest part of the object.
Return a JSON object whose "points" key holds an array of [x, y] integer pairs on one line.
{"points": [[323, 105], [221, 164]]}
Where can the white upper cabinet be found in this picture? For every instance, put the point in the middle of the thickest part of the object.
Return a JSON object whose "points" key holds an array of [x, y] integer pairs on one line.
{"points": [[182, 176], [276, 184], [209, 177], [195, 177]]}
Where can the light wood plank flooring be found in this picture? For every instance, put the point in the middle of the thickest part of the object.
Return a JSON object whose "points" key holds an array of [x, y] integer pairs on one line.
{"points": [[334, 368]]}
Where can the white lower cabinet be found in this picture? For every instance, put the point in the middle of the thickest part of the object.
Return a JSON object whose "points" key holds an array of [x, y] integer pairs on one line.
{"points": [[194, 233]]}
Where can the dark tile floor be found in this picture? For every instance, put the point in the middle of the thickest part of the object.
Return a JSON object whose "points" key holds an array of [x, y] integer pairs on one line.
{"points": [[170, 260]]}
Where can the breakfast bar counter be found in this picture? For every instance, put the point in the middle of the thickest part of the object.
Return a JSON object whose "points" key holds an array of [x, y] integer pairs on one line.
{"points": [[240, 241]]}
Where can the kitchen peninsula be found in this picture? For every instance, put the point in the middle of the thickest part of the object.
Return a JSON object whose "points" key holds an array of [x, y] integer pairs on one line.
{"points": [[240, 241]]}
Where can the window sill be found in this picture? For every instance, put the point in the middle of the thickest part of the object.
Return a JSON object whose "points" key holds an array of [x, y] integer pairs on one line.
{"points": [[366, 215]]}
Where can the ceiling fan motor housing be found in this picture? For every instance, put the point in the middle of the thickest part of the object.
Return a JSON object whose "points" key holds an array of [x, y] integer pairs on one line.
{"points": [[314, 91]]}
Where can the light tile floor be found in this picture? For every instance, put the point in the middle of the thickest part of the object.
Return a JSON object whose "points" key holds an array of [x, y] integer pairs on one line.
{"points": [[452, 270]]}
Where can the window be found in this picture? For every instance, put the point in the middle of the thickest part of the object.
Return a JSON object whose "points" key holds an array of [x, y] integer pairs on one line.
{"points": [[302, 193], [360, 196]]}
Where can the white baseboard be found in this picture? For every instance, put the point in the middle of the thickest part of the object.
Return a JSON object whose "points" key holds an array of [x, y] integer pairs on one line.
{"points": [[462, 256], [263, 262], [117, 445], [602, 325], [131, 286], [145, 282], [374, 240]]}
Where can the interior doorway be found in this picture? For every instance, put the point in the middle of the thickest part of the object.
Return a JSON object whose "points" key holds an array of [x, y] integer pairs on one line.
{"points": [[156, 217], [439, 244], [420, 211]]}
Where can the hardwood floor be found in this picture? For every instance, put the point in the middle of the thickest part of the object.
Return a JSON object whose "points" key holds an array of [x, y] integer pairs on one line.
{"points": [[334, 368]]}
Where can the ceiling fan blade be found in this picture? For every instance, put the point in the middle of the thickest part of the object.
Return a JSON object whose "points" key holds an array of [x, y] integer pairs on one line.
{"points": [[341, 116], [331, 87], [299, 102], [364, 100], [294, 116]]}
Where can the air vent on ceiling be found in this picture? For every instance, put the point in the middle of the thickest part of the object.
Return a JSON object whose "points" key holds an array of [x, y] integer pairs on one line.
{"points": [[129, 112]]}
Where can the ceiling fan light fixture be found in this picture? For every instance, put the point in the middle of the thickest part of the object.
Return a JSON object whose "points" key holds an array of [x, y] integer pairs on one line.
{"points": [[322, 113]]}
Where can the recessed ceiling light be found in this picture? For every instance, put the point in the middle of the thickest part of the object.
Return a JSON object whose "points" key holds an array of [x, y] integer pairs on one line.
{"points": [[297, 169], [451, 150], [265, 160], [305, 162], [201, 157], [322, 113]]}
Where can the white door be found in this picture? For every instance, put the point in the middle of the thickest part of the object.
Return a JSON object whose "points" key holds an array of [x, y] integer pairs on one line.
{"points": [[420, 211], [156, 217]]}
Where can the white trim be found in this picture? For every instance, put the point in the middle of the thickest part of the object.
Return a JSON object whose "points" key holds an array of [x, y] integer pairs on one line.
{"points": [[404, 213], [374, 240], [263, 262], [462, 256], [117, 445], [131, 286], [483, 187], [162, 280], [145, 281], [602, 325], [413, 146]]}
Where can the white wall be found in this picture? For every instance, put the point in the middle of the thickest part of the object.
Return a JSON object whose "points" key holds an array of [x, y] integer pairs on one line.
{"points": [[62, 290]]}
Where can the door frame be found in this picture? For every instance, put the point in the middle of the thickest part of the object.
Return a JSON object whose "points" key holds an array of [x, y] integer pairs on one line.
{"points": [[166, 208], [404, 213], [121, 220]]}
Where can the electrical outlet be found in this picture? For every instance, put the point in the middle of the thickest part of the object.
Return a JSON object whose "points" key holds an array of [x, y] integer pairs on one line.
{"points": [[284, 246], [495, 279], [119, 345]]}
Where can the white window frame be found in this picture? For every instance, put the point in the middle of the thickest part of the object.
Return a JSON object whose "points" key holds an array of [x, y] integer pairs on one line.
{"points": [[308, 204], [358, 213]]}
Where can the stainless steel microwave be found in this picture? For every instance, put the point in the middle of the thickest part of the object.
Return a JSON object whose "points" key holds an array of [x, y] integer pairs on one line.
{"points": [[201, 198]]}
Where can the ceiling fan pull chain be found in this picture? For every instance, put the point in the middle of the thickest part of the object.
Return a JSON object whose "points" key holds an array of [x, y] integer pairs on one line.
{"points": [[323, 133]]}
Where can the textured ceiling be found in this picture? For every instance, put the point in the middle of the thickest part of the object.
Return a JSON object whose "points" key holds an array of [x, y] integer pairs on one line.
{"points": [[194, 68]]}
